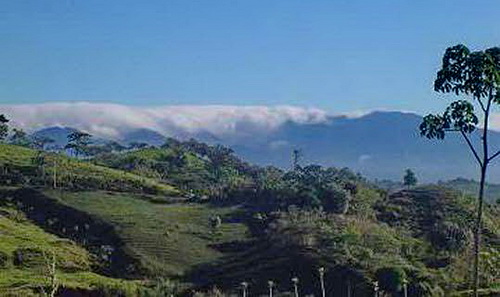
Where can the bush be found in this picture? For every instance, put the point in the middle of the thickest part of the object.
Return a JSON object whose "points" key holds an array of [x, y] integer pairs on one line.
{"points": [[335, 199], [160, 287], [450, 237], [4, 260], [28, 257], [391, 279]]}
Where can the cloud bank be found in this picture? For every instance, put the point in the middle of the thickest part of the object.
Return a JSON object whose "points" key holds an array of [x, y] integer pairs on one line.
{"points": [[113, 120]]}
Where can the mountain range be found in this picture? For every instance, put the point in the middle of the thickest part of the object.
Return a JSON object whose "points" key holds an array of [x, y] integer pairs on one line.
{"points": [[380, 145]]}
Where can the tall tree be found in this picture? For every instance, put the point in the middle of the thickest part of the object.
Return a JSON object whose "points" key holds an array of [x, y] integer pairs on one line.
{"points": [[4, 128], [409, 179], [19, 137], [476, 76], [78, 141], [40, 142]]}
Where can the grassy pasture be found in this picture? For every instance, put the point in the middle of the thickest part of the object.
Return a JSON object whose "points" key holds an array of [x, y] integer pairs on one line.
{"points": [[168, 239]]}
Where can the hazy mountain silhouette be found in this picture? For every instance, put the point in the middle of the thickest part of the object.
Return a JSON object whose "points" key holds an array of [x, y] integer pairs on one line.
{"points": [[378, 145], [143, 135], [58, 134]]}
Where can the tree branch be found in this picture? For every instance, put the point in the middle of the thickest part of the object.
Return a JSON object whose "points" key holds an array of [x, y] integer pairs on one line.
{"points": [[478, 159], [494, 156], [488, 159], [481, 104]]}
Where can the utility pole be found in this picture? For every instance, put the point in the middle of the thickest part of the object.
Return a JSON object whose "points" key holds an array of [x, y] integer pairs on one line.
{"points": [[295, 282], [270, 283], [244, 286], [405, 287], [55, 173], [321, 271], [375, 288]]}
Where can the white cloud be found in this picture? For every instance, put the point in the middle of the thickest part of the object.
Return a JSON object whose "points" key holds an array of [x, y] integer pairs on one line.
{"points": [[112, 120]]}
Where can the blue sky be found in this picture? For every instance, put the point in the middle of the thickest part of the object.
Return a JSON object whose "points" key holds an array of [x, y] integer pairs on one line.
{"points": [[335, 55]]}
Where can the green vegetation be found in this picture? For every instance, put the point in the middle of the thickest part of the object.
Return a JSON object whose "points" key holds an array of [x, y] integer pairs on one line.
{"points": [[20, 235], [471, 187], [4, 128], [25, 250], [192, 166], [78, 142], [156, 234], [409, 180], [20, 166]]}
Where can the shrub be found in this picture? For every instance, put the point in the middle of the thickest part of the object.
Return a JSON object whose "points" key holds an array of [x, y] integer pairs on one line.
{"points": [[28, 257], [4, 260], [335, 199], [391, 279], [449, 236]]}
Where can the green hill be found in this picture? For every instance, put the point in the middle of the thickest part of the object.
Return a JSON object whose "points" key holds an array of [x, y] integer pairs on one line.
{"points": [[22, 165], [166, 239], [466, 186], [192, 166], [471, 187], [424, 234], [26, 250]]}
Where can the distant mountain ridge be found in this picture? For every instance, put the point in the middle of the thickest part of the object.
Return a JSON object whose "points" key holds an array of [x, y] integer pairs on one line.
{"points": [[378, 145], [58, 134], [143, 135]]}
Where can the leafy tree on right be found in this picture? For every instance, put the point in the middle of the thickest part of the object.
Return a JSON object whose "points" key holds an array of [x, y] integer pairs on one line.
{"points": [[473, 76]]}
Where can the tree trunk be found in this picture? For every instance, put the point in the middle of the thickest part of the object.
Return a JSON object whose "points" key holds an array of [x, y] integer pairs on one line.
{"points": [[478, 229]]}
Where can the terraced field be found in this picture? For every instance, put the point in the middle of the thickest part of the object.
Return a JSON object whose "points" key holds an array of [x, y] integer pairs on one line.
{"points": [[157, 234]]}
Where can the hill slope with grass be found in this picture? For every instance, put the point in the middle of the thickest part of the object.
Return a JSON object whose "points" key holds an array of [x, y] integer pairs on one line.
{"points": [[166, 239], [27, 251], [22, 165], [191, 165]]}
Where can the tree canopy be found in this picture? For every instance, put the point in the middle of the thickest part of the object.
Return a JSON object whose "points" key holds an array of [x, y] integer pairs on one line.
{"points": [[409, 179], [79, 142]]}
